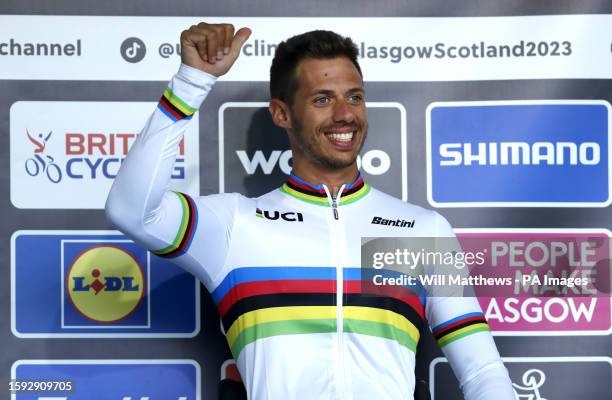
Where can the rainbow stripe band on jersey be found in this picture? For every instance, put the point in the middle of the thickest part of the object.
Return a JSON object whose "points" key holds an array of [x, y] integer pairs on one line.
{"points": [[175, 108], [259, 302], [304, 191], [184, 236], [459, 327]]}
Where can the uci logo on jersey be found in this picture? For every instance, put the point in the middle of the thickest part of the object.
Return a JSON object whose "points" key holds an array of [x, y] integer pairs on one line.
{"points": [[274, 215]]}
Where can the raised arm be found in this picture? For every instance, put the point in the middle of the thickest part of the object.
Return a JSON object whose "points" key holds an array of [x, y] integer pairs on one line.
{"points": [[140, 203]]}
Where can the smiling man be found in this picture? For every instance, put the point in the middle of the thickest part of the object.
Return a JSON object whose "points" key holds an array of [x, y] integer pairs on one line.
{"points": [[318, 97], [284, 268]]}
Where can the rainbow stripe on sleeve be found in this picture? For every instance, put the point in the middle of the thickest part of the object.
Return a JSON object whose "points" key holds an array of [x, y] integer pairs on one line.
{"points": [[184, 236], [175, 108], [459, 327]]}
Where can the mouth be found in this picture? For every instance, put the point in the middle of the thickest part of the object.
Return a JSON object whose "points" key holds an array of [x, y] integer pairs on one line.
{"points": [[343, 138]]}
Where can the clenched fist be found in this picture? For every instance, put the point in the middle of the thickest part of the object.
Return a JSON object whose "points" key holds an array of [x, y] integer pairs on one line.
{"points": [[212, 48]]}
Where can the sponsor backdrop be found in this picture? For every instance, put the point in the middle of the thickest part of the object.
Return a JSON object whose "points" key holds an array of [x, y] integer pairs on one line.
{"points": [[497, 115]]}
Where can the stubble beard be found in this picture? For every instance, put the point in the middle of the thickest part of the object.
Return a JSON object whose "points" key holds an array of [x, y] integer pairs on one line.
{"points": [[309, 150]]}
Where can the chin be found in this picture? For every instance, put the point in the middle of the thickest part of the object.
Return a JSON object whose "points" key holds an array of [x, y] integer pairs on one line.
{"points": [[338, 163]]}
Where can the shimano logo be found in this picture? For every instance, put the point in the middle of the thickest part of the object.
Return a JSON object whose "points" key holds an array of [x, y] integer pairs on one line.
{"points": [[274, 215], [401, 223], [520, 153]]}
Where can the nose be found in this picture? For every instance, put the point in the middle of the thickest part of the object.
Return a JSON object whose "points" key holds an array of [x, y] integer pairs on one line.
{"points": [[343, 112]]}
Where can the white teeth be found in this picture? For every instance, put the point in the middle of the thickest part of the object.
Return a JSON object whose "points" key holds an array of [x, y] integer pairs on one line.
{"points": [[341, 137]]}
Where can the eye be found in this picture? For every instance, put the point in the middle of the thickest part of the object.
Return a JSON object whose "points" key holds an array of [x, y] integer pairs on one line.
{"points": [[323, 100], [356, 98]]}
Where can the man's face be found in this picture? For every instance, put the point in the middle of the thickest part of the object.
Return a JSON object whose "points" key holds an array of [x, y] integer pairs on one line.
{"points": [[328, 114]]}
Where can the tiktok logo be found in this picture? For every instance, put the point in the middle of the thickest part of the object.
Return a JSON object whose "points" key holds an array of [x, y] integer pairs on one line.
{"points": [[133, 50]]}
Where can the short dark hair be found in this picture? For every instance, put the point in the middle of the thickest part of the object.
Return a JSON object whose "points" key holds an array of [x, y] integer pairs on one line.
{"points": [[317, 44]]}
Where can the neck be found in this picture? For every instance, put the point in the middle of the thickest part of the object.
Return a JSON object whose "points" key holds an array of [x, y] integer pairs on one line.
{"points": [[332, 178]]}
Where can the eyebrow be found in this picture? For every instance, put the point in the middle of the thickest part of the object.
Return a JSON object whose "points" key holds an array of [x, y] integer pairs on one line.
{"points": [[328, 92]]}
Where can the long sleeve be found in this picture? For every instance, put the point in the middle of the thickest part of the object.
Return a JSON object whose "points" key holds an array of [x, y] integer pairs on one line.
{"points": [[140, 203], [460, 328]]}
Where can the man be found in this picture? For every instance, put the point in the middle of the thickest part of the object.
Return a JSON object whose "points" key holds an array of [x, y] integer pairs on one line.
{"points": [[283, 268]]}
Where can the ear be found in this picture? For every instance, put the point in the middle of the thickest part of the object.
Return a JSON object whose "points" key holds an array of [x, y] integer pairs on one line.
{"points": [[279, 110]]}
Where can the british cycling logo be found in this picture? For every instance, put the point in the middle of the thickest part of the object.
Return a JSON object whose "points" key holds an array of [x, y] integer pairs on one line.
{"points": [[37, 165], [110, 148], [59, 162]]}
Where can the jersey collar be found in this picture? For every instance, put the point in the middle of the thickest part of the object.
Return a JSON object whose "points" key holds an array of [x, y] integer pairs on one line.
{"points": [[302, 190]]}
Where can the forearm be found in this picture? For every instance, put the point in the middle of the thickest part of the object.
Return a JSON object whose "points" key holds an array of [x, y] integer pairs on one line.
{"points": [[491, 382], [140, 190], [463, 334]]}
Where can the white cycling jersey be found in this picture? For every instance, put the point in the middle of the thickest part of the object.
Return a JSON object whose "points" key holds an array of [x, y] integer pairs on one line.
{"points": [[284, 271]]}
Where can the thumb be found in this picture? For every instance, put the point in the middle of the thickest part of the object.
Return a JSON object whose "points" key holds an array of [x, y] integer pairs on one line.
{"points": [[239, 39]]}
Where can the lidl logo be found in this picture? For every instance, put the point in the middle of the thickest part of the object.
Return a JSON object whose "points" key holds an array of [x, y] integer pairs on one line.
{"points": [[100, 284], [105, 283]]}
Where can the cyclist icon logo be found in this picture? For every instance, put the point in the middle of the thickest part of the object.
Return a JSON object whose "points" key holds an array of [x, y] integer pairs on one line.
{"points": [[38, 164], [532, 379]]}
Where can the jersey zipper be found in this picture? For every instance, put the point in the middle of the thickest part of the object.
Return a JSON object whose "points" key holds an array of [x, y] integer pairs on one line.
{"points": [[335, 208], [335, 245]]}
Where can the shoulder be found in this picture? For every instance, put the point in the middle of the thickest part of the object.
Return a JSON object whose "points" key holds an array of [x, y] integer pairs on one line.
{"points": [[235, 201], [220, 203], [385, 201]]}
